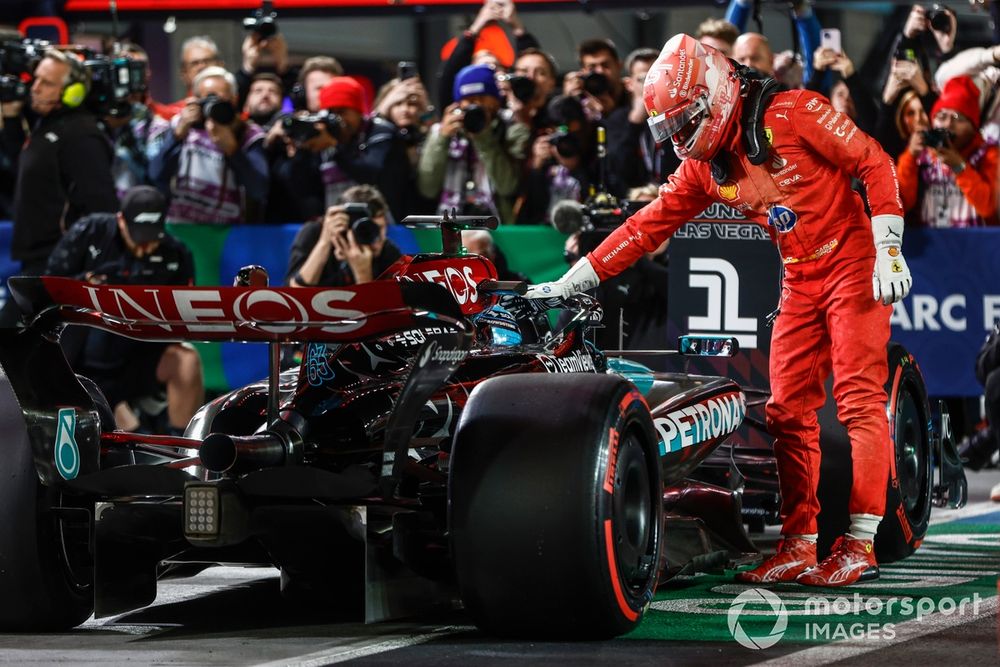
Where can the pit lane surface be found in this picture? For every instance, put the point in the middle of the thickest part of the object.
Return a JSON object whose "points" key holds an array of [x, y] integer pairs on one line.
{"points": [[230, 616]]}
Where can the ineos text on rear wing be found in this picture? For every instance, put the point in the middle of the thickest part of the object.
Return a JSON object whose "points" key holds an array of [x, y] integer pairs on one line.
{"points": [[264, 314]]}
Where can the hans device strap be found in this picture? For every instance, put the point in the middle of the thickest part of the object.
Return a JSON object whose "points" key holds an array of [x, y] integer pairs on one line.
{"points": [[757, 91]]}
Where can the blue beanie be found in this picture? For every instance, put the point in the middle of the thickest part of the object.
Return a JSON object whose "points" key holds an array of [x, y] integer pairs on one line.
{"points": [[475, 80]]}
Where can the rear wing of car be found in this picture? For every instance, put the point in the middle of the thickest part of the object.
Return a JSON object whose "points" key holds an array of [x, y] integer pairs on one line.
{"points": [[242, 314]]}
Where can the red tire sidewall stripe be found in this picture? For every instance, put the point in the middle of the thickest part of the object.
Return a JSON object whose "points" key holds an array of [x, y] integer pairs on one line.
{"points": [[609, 546]]}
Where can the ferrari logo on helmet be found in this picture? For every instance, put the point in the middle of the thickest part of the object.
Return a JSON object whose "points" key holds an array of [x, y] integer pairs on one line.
{"points": [[729, 190]]}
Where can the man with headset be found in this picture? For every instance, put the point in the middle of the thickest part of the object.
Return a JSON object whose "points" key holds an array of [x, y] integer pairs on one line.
{"points": [[64, 169]]}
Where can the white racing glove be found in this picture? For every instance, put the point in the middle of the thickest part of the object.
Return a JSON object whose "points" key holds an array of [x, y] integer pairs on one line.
{"points": [[891, 280], [580, 278]]}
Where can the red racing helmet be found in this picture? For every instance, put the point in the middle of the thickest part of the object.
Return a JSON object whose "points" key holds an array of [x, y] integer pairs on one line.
{"points": [[691, 94]]}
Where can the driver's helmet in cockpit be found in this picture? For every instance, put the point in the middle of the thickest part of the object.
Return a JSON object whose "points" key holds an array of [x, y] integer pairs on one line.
{"points": [[497, 326]]}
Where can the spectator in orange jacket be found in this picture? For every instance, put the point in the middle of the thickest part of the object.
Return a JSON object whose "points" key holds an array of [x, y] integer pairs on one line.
{"points": [[951, 180]]}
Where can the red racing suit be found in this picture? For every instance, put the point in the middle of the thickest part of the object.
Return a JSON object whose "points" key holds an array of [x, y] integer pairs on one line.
{"points": [[829, 317]]}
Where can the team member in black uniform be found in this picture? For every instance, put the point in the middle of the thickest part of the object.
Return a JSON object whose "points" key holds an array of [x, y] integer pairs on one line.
{"points": [[63, 169], [132, 248]]}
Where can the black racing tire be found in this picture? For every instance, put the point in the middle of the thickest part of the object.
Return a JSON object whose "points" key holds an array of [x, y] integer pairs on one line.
{"points": [[46, 580], [908, 495], [556, 510]]}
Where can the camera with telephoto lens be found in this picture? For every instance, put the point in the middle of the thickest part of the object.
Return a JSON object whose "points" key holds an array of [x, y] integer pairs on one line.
{"points": [[566, 143], [522, 87], [366, 231], [262, 22], [594, 219], [473, 118], [936, 137], [20, 56], [113, 80], [596, 84], [17, 62], [13, 89], [302, 127], [221, 111], [938, 18]]}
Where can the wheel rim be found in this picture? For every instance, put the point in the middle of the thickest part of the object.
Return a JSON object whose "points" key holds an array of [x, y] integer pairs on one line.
{"points": [[911, 454], [633, 514]]}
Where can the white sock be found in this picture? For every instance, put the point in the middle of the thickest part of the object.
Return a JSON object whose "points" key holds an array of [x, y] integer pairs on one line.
{"points": [[811, 537], [863, 526]]}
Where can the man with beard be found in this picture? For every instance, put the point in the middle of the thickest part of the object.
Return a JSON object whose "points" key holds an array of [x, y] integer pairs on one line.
{"points": [[263, 103]]}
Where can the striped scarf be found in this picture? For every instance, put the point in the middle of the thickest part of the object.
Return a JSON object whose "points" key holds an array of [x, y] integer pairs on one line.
{"points": [[943, 204]]}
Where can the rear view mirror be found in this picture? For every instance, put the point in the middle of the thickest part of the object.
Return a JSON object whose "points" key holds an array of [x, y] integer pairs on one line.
{"points": [[707, 346]]}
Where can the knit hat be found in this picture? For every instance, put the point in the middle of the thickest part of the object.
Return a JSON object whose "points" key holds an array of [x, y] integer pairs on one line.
{"points": [[143, 207], [475, 80], [962, 95], [343, 92]]}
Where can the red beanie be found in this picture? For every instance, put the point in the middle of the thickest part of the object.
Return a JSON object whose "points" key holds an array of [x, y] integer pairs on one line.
{"points": [[960, 94], [342, 92]]}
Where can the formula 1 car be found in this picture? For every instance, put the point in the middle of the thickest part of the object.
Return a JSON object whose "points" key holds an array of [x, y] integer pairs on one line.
{"points": [[416, 456]]}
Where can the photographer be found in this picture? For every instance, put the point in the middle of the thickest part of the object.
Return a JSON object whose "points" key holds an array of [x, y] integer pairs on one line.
{"points": [[131, 247], [530, 85], [928, 35], [297, 192], [472, 47], [348, 247], [264, 50], [599, 85], [359, 150], [472, 159], [563, 162], [598, 82], [949, 172], [64, 169], [211, 162], [264, 99], [405, 104], [129, 123], [197, 53]]}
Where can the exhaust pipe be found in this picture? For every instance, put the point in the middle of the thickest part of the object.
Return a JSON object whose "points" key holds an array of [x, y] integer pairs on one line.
{"points": [[279, 445], [221, 452]]}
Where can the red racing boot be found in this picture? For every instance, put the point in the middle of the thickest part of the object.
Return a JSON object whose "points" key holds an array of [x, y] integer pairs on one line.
{"points": [[794, 556], [850, 560]]}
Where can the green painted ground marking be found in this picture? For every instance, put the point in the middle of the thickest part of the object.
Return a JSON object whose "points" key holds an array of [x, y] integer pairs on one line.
{"points": [[952, 573]]}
